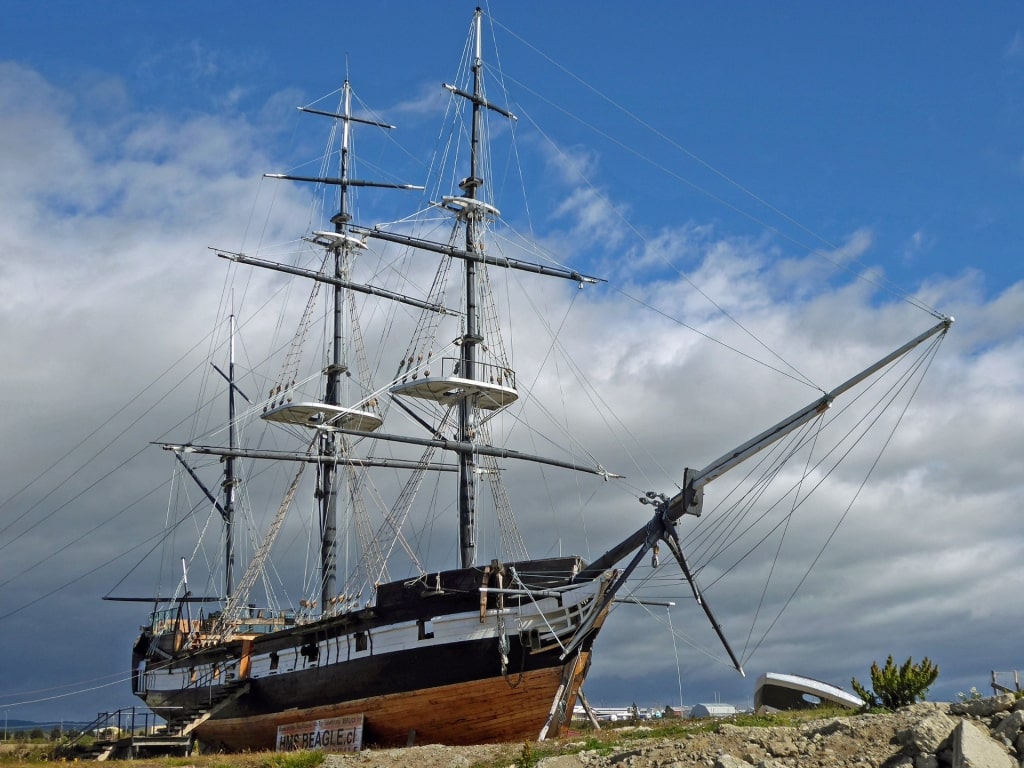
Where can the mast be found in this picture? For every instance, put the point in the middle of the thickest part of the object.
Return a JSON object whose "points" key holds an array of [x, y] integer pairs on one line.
{"points": [[330, 442], [327, 414], [474, 211], [230, 481], [467, 491]]}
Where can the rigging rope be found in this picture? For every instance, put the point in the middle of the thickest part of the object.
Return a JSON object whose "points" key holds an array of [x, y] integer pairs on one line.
{"points": [[236, 602], [925, 362], [851, 438], [886, 285]]}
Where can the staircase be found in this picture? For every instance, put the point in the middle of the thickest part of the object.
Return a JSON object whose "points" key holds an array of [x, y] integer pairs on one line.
{"points": [[126, 733], [225, 695]]}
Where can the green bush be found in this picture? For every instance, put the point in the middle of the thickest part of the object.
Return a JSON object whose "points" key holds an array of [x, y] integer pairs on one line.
{"points": [[308, 758], [527, 758], [896, 687]]}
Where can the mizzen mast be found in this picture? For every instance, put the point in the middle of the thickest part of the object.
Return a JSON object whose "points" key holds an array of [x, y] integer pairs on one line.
{"points": [[230, 481]]}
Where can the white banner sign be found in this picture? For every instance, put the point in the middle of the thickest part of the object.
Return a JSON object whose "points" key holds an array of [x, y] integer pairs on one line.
{"points": [[336, 734]]}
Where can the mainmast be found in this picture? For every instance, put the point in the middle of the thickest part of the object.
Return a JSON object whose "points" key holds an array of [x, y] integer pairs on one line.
{"points": [[329, 415], [329, 440]]}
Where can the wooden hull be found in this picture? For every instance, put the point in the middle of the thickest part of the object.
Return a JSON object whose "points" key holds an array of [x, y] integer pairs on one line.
{"points": [[475, 712]]}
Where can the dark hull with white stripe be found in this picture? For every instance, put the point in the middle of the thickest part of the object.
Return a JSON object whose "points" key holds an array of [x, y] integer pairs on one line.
{"points": [[423, 662]]}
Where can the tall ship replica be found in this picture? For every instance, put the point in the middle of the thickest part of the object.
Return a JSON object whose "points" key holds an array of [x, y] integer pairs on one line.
{"points": [[495, 645]]}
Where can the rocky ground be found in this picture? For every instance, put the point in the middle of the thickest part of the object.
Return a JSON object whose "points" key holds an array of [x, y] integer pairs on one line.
{"points": [[978, 734]]}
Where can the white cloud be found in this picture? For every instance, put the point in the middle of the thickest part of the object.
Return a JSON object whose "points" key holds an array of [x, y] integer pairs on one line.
{"points": [[918, 243], [1015, 48]]}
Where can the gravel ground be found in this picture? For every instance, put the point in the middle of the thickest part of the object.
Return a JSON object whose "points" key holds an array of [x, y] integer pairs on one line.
{"points": [[868, 741]]}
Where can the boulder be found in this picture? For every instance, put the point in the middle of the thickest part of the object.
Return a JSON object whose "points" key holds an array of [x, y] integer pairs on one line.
{"points": [[984, 707], [561, 761], [728, 761], [974, 748], [1009, 726], [927, 735]]}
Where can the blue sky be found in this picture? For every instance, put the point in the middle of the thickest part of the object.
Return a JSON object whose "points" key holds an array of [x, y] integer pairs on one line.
{"points": [[904, 116], [133, 135]]}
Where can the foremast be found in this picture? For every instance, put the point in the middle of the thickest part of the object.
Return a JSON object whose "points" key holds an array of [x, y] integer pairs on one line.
{"points": [[482, 379], [472, 337]]}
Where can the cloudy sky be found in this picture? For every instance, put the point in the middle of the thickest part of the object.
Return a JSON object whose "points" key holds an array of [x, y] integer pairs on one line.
{"points": [[714, 163]]}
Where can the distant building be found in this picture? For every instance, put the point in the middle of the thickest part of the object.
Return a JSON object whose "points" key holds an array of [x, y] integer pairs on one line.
{"points": [[712, 710], [676, 712], [616, 714]]}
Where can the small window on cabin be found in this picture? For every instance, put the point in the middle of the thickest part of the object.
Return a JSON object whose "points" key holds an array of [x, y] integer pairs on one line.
{"points": [[361, 641], [426, 627], [275, 659]]}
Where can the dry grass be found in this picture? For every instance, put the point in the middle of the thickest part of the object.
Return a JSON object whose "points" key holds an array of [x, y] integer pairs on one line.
{"points": [[34, 756], [606, 741]]}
